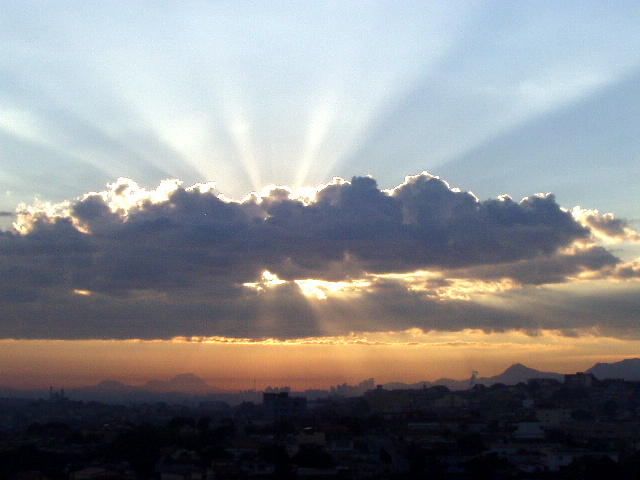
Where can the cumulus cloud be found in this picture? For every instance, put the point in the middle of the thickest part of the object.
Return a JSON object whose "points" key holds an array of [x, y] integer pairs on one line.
{"points": [[187, 261], [559, 267], [628, 270], [605, 226]]}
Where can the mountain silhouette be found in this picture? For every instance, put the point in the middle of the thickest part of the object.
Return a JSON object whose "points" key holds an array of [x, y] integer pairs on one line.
{"points": [[628, 369], [511, 376], [183, 383], [519, 373], [113, 386], [176, 389], [188, 386]]}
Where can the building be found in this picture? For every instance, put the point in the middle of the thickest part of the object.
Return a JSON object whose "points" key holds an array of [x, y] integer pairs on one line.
{"points": [[278, 406], [552, 417], [580, 379]]}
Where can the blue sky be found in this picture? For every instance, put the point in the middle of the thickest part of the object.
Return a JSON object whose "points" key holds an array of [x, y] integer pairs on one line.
{"points": [[495, 97], [102, 102]]}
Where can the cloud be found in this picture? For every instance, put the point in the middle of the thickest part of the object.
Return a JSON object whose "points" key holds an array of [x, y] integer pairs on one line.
{"points": [[605, 226], [628, 270], [186, 261], [559, 267]]}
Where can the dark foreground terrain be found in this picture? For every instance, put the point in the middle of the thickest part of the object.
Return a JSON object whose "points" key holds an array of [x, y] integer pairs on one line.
{"points": [[579, 428]]}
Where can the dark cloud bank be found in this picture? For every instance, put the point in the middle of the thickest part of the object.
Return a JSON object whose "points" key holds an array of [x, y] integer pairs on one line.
{"points": [[176, 266]]}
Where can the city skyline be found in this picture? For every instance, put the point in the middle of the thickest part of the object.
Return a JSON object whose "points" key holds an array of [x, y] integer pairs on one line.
{"points": [[307, 192]]}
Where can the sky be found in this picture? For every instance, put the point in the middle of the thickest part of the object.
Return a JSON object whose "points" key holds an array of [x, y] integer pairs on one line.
{"points": [[308, 193]]}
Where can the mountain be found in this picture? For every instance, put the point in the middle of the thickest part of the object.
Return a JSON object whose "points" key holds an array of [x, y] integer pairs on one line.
{"points": [[110, 391], [112, 386], [188, 387], [451, 384], [519, 373], [511, 376], [7, 392], [177, 389], [628, 369], [183, 383]]}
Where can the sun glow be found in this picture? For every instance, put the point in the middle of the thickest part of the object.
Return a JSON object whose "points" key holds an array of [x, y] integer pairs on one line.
{"points": [[440, 286], [319, 289], [515, 339], [322, 289], [409, 355], [466, 289], [268, 280], [305, 194]]}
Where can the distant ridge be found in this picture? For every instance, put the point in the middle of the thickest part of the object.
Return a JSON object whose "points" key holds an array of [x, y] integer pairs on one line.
{"points": [[177, 389], [628, 369], [112, 386], [518, 373], [184, 383], [511, 376], [7, 392], [187, 386]]}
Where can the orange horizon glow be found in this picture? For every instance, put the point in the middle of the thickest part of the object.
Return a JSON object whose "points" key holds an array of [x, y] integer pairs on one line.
{"points": [[238, 364]]}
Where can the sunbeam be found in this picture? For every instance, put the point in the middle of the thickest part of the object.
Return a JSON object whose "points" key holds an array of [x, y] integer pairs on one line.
{"points": [[182, 182]]}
